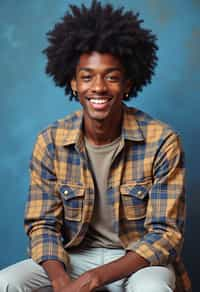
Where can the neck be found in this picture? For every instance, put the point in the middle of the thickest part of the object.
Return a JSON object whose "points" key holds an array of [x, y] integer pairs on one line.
{"points": [[103, 132]]}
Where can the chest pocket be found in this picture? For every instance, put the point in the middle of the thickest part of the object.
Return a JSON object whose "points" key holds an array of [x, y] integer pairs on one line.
{"points": [[73, 198], [134, 198]]}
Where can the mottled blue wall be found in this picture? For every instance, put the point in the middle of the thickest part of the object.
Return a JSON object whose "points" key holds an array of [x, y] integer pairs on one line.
{"points": [[29, 101]]}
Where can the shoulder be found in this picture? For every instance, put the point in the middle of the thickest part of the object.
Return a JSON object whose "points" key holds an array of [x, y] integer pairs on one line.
{"points": [[152, 129], [161, 141], [54, 133]]}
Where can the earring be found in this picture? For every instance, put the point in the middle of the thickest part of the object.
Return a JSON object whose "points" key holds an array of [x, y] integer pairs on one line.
{"points": [[74, 93], [127, 95]]}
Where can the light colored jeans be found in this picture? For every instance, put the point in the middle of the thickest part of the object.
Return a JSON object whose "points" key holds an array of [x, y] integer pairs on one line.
{"points": [[27, 276]]}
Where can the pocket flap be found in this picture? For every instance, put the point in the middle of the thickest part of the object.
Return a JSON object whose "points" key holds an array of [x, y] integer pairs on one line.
{"points": [[137, 190], [71, 191]]}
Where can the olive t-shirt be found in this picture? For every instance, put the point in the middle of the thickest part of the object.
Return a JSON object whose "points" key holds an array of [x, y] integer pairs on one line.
{"points": [[100, 232]]}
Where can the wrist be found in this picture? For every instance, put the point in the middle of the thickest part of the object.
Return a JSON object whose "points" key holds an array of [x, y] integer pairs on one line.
{"points": [[61, 281], [94, 279], [56, 273]]}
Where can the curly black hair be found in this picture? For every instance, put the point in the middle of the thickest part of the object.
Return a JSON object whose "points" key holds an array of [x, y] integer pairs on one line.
{"points": [[105, 30]]}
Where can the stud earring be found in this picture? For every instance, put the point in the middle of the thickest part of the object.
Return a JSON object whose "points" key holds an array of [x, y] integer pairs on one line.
{"points": [[127, 95]]}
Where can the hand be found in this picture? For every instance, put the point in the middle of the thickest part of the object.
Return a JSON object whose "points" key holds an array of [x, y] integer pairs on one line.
{"points": [[87, 282]]}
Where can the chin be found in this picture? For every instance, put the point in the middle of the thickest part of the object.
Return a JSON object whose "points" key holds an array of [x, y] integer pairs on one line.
{"points": [[98, 116]]}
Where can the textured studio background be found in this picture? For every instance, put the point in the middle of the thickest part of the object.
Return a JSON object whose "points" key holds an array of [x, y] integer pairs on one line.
{"points": [[29, 101]]}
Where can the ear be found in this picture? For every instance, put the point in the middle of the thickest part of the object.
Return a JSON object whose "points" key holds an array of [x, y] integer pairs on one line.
{"points": [[128, 85], [73, 84]]}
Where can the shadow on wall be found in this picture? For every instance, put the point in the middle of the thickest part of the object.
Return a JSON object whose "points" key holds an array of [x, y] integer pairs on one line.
{"points": [[191, 250]]}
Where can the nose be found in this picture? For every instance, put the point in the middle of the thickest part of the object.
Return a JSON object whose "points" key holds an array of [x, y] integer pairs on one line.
{"points": [[99, 85]]}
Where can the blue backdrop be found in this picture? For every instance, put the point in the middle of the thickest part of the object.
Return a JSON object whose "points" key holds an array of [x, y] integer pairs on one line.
{"points": [[30, 101]]}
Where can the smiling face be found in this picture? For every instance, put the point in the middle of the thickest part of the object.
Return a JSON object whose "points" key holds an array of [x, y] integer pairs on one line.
{"points": [[100, 84]]}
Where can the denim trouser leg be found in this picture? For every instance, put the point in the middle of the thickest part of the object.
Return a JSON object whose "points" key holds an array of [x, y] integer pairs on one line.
{"points": [[152, 279], [25, 276]]}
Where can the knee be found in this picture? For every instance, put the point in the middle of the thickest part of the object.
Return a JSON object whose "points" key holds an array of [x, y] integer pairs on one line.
{"points": [[151, 287], [7, 285], [152, 279]]}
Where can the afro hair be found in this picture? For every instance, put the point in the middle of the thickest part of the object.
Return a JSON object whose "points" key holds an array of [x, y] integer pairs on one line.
{"points": [[105, 30]]}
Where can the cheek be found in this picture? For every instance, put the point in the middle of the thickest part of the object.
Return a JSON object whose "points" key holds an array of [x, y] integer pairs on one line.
{"points": [[118, 92], [118, 88], [82, 89]]}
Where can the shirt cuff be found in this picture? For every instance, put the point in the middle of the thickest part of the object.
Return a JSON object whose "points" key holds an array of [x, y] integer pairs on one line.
{"points": [[43, 250], [149, 253]]}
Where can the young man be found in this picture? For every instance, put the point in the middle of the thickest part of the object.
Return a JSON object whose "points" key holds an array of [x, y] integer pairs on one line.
{"points": [[107, 206]]}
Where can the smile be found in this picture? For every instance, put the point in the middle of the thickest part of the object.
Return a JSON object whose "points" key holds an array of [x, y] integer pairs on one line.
{"points": [[98, 101]]}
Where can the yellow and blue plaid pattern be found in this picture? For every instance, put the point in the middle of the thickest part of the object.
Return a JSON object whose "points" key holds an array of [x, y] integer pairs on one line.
{"points": [[145, 188]]}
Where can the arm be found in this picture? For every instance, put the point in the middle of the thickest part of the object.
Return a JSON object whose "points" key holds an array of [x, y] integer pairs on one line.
{"points": [[165, 213], [57, 274], [43, 216]]}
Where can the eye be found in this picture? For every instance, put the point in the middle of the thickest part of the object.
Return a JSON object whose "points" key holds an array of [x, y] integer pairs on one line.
{"points": [[86, 77], [113, 78]]}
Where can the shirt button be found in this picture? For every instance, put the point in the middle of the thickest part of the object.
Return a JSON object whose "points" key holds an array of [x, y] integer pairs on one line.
{"points": [[65, 192]]}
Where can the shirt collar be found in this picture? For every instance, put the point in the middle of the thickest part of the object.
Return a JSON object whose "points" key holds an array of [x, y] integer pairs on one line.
{"points": [[131, 130], [72, 132]]}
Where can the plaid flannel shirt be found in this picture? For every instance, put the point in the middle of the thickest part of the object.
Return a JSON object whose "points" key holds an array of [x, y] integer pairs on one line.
{"points": [[145, 188]]}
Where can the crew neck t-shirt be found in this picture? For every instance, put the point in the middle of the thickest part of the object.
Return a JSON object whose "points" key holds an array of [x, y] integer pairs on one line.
{"points": [[100, 232]]}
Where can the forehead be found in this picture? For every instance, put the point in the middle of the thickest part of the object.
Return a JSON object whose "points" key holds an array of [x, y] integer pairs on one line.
{"points": [[99, 61]]}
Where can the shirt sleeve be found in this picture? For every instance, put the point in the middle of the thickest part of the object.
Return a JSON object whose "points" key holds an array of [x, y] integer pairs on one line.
{"points": [[43, 214], [165, 214]]}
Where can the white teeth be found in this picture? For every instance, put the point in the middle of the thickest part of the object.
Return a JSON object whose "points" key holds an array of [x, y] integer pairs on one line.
{"points": [[98, 101]]}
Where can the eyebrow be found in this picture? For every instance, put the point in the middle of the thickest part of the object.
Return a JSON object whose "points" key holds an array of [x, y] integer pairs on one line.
{"points": [[107, 70]]}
